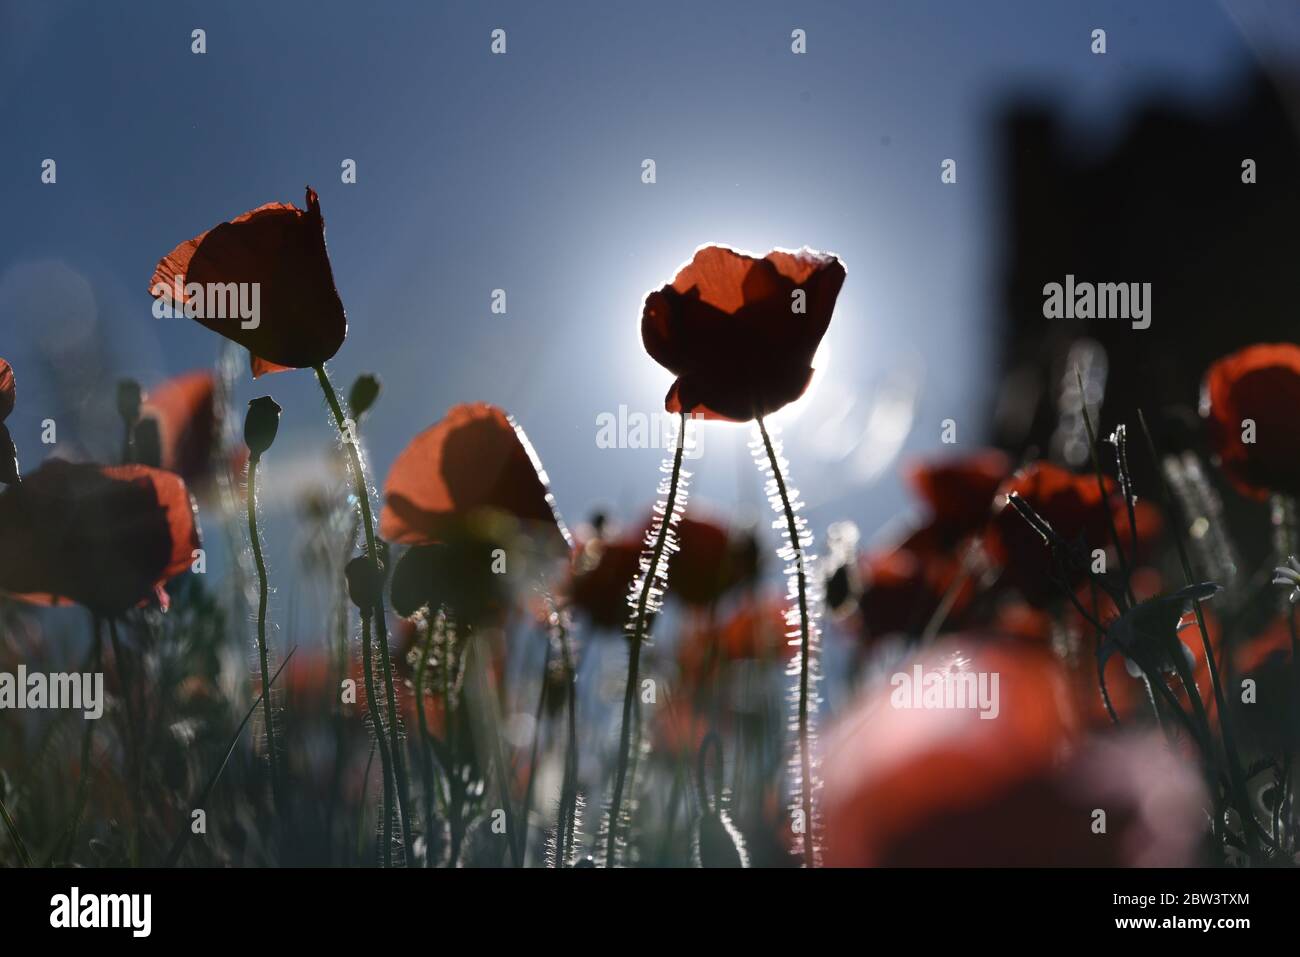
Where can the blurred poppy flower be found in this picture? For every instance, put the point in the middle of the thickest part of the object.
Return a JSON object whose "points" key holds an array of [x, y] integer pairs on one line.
{"points": [[474, 469], [756, 631], [944, 786], [8, 452], [602, 576], [1260, 383], [6, 389], [1075, 508], [460, 493], [711, 560], [273, 259], [106, 537], [902, 586], [729, 326], [178, 426], [959, 491]]}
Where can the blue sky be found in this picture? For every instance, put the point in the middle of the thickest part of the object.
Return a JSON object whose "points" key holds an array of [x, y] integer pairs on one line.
{"points": [[522, 172]]}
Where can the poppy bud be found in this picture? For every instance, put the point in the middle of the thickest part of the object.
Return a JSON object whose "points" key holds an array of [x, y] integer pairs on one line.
{"points": [[365, 588], [261, 424], [128, 401], [365, 390]]}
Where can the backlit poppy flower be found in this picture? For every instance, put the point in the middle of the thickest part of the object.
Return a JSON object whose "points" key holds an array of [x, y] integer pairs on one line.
{"points": [[740, 333], [1247, 400], [959, 491], [903, 585], [473, 469], [181, 415], [915, 785], [460, 492], [262, 280], [106, 537]]}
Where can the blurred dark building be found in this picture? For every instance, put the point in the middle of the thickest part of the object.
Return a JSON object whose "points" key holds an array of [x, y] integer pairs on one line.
{"points": [[1167, 206]]}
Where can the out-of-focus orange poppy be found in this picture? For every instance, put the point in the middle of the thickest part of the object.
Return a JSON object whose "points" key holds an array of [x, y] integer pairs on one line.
{"points": [[959, 491], [107, 537], [279, 251], [183, 411], [919, 786], [1077, 511], [474, 469], [730, 327], [1247, 400]]}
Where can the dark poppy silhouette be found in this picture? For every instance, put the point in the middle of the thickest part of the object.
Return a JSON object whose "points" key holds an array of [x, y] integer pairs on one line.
{"points": [[740, 333], [8, 452], [178, 425], [959, 490], [279, 250], [1248, 400], [463, 493], [106, 537]]}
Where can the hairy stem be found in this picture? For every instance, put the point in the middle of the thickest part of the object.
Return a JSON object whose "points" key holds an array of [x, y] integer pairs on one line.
{"points": [[263, 658], [805, 649], [377, 722], [381, 623], [634, 651]]}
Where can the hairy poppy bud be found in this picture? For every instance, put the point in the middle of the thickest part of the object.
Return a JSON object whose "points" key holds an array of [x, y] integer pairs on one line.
{"points": [[261, 424], [128, 401], [365, 588], [365, 390]]}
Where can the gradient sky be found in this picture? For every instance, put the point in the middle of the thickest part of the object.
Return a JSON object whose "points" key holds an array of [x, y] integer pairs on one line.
{"points": [[522, 172]]}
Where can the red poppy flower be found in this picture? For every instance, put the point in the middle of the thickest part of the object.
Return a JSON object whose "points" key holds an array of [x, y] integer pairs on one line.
{"points": [[278, 251], [903, 585], [183, 411], [473, 469], [1261, 384], [755, 631], [602, 575], [918, 786], [106, 537], [960, 491], [729, 328], [1075, 508], [8, 453], [6, 389]]}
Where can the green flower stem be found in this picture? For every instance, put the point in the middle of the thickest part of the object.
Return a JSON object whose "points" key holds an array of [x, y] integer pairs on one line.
{"points": [[385, 759], [805, 650], [381, 623], [634, 652], [263, 658]]}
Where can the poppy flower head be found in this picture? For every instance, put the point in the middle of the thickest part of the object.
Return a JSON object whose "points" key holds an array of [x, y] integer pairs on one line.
{"points": [[960, 491], [182, 414], [474, 472], [272, 261], [1071, 504], [1247, 400], [6, 389], [602, 575], [740, 332], [107, 537]]}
